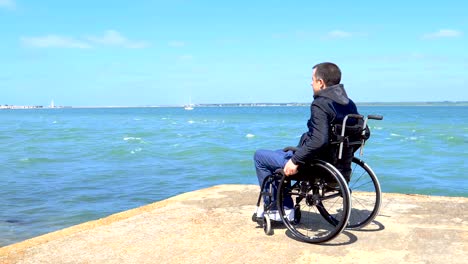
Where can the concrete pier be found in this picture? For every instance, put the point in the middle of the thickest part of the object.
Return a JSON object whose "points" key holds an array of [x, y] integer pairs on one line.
{"points": [[214, 226]]}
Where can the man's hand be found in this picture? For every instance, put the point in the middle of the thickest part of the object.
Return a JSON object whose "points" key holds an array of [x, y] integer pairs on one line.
{"points": [[290, 168]]}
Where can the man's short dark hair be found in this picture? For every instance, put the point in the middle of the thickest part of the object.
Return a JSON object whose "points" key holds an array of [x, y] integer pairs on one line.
{"points": [[328, 72]]}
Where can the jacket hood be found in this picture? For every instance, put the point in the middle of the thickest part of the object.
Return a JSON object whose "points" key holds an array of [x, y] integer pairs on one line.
{"points": [[336, 93]]}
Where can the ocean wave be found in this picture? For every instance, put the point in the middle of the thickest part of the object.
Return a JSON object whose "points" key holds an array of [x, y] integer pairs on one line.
{"points": [[131, 138], [136, 150], [38, 160], [249, 135]]}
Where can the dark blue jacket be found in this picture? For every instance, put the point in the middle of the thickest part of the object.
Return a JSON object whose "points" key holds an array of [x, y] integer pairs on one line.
{"points": [[330, 106]]}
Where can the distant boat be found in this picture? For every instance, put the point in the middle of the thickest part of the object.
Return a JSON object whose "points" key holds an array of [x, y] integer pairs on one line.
{"points": [[189, 106]]}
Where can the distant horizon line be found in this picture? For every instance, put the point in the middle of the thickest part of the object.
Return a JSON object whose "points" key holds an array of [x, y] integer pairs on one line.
{"points": [[395, 103], [287, 104]]}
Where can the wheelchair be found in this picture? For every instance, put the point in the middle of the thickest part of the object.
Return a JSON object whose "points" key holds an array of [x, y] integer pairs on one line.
{"points": [[327, 196]]}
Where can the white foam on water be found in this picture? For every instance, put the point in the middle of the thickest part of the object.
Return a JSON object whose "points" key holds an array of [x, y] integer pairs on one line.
{"points": [[131, 138], [136, 150], [249, 135], [191, 121]]}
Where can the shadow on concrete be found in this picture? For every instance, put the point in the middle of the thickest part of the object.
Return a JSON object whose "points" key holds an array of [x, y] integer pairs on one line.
{"points": [[275, 225], [374, 226], [345, 238]]}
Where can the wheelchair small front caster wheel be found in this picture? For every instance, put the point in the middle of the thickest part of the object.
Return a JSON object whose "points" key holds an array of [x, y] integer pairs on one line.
{"points": [[267, 225]]}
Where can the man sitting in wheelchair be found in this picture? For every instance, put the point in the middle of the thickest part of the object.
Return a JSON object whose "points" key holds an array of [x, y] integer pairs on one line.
{"points": [[329, 108]]}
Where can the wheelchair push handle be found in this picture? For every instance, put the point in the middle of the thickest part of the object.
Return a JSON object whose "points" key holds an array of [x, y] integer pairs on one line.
{"points": [[375, 117], [357, 116]]}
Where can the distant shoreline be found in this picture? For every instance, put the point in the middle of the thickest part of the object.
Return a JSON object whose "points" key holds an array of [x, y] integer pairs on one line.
{"points": [[442, 103]]}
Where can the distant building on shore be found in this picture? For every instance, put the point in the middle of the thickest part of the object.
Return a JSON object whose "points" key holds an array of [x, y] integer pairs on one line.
{"points": [[20, 106]]}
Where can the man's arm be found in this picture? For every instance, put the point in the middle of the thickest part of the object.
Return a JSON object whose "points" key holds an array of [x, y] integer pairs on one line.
{"points": [[290, 168], [317, 137]]}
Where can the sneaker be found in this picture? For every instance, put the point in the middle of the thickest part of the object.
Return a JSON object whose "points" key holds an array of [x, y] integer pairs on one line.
{"points": [[259, 212], [289, 214], [275, 215]]}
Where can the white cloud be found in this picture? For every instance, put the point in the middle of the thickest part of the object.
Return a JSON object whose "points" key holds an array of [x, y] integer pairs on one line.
{"points": [[54, 41], [443, 33], [8, 4], [110, 38], [114, 38]]}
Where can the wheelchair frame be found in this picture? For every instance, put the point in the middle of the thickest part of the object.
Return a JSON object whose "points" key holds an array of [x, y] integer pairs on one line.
{"points": [[323, 201]]}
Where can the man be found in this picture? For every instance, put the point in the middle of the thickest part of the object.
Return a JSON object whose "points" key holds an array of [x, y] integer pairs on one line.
{"points": [[330, 105]]}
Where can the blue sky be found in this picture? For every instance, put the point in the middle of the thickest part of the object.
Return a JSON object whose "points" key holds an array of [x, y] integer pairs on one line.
{"points": [[117, 53]]}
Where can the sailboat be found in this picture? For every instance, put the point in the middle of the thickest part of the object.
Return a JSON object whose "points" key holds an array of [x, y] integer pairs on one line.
{"points": [[190, 105]]}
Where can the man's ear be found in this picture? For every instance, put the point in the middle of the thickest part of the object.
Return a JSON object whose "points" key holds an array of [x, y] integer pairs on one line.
{"points": [[322, 84]]}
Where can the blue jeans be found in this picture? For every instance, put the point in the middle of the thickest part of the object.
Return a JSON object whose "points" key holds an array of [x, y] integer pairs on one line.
{"points": [[266, 163]]}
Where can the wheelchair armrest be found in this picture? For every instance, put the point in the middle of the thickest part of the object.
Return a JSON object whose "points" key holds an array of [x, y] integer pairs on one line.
{"points": [[279, 172], [293, 149]]}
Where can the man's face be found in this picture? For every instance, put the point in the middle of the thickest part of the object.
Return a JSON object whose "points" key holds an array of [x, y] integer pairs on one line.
{"points": [[317, 84]]}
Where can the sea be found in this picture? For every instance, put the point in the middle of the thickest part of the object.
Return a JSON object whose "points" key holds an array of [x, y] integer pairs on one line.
{"points": [[64, 166]]}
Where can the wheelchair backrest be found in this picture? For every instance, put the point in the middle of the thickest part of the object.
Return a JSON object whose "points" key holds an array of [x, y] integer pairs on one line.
{"points": [[347, 137], [353, 134]]}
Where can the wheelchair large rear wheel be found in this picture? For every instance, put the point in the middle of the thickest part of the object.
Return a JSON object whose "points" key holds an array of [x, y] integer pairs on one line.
{"points": [[322, 187], [365, 194]]}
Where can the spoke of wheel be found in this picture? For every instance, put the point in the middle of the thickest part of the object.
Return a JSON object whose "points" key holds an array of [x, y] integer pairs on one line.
{"points": [[358, 179], [358, 200], [354, 187], [360, 212]]}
